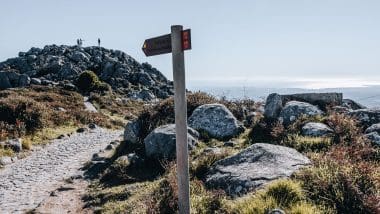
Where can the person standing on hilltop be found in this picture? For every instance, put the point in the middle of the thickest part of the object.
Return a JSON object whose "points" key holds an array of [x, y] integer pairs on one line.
{"points": [[99, 42]]}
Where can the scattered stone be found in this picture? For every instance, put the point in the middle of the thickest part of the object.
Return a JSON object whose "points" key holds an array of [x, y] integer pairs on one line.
{"points": [[161, 142], [277, 211], [144, 95], [213, 150], [81, 130], [109, 147], [273, 106], [132, 131], [77, 176], [92, 126], [96, 157], [316, 130], [254, 167], [350, 104], [70, 87], [341, 109], [373, 128], [129, 160], [89, 107], [5, 160], [116, 142], [216, 120], [374, 137], [35, 81], [367, 117], [61, 109], [294, 109], [14, 144], [54, 194], [229, 143], [61, 136]]}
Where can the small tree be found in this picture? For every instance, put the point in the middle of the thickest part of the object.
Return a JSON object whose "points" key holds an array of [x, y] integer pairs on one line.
{"points": [[88, 81]]}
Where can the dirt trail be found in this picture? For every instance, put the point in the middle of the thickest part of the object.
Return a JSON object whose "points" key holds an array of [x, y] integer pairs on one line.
{"points": [[29, 182]]}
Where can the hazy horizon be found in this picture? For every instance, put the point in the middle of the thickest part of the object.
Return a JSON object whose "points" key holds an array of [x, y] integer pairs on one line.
{"points": [[312, 44]]}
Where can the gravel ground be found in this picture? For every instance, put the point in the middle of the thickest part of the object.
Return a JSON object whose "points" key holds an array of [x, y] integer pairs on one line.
{"points": [[25, 183]]}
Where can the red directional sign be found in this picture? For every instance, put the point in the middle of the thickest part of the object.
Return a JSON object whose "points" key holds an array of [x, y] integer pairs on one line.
{"points": [[163, 44], [186, 40]]}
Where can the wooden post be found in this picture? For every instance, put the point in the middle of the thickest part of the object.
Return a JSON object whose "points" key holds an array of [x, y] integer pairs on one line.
{"points": [[180, 120]]}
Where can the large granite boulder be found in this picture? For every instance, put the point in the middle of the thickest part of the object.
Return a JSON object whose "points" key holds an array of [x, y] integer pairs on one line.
{"points": [[254, 167], [273, 106], [294, 109], [316, 130], [366, 117], [161, 142], [11, 79], [216, 120]]}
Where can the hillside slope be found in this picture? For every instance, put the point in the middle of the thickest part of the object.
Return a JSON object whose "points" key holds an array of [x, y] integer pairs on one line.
{"points": [[63, 64]]}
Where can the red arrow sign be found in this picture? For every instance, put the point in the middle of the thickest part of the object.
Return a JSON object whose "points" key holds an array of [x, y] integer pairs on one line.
{"points": [[163, 44]]}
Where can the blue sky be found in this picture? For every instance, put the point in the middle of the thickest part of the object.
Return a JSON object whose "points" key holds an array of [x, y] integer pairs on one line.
{"points": [[318, 42]]}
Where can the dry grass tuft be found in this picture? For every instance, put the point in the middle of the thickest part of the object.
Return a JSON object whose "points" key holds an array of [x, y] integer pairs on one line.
{"points": [[282, 194]]}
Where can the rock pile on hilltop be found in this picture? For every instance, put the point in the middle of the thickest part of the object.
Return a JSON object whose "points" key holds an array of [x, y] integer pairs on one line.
{"points": [[54, 65]]}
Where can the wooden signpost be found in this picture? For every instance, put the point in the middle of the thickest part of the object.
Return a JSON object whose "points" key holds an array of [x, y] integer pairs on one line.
{"points": [[176, 42]]}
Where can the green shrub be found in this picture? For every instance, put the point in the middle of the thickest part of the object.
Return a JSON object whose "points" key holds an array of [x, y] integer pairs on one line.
{"points": [[285, 192], [200, 166], [88, 81], [343, 183], [282, 194], [307, 144], [261, 132], [20, 111], [346, 128], [23, 111], [164, 198]]}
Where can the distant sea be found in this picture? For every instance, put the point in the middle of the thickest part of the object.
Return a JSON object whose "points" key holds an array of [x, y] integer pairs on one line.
{"points": [[367, 95]]}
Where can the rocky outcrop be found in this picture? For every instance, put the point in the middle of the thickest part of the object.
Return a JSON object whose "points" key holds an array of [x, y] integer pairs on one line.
{"points": [[273, 106], [294, 109], [366, 117], [161, 142], [373, 133], [132, 131], [374, 137], [275, 103], [254, 167], [350, 104], [216, 120], [373, 128], [322, 100], [316, 130], [55, 64], [12, 79]]}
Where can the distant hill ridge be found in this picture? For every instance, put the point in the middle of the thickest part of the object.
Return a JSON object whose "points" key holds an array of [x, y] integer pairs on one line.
{"points": [[55, 64]]}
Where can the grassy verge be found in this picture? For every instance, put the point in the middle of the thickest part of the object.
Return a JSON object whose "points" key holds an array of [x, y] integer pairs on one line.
{"points": [[40, 113]]}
